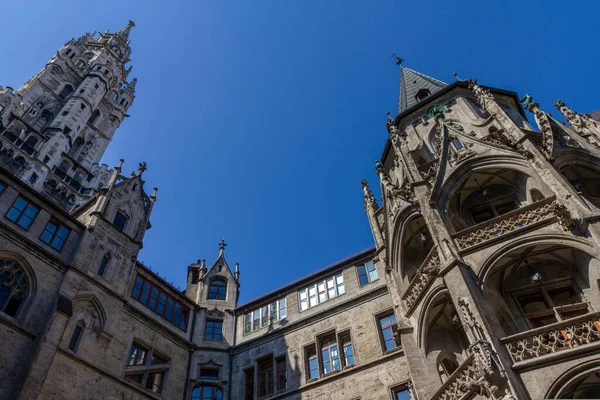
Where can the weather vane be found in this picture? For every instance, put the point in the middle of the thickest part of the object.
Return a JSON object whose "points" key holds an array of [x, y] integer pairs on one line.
{"points": [[398, 59]]}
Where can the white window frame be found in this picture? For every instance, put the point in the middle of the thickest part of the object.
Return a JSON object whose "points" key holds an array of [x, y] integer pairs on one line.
{"points": [[320, 292]]}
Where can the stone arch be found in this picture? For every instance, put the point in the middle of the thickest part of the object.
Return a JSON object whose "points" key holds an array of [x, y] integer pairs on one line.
{"points": [[84, 299], [567, 380], [31, 289], [581, 172], [434, 293], [401, 222]]}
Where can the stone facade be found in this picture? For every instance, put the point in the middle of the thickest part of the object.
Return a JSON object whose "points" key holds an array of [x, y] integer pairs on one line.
{"points": [[482, 281]]}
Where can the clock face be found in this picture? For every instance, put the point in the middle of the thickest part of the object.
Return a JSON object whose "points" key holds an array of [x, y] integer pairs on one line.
{"points": [[116, 50]]}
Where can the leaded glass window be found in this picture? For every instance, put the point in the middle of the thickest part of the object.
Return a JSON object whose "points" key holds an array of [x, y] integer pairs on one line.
{"points": [[13, 287]]}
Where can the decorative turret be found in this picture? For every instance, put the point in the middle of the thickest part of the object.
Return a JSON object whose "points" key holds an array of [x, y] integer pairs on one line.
{"points": [[371, 208]]}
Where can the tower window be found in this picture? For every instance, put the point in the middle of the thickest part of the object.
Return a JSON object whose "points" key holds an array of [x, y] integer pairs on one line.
{"points": [[367, 273], [421, 94], [214, 330], [94, 117], [160, 302], [104, 264], [217, 290], [207, 393], [13, 287], [120, 221], [55, 235], [66, 92], [75, 338]]}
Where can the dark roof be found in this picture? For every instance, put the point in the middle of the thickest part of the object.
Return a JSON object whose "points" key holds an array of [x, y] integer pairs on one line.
{"points": [[596, 115], [410, 84], [310, 277]]}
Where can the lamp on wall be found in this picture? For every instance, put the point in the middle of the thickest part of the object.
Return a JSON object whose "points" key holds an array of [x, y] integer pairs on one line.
{"points": [[536, 277], [422, 235], [482, 190]]}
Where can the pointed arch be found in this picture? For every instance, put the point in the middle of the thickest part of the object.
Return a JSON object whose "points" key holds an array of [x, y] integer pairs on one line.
{"points": [[217, 289], [15, 267], [84, 298], [402, 223], [567, 380]]}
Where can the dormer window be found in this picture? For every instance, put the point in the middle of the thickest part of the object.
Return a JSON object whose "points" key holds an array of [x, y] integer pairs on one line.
{"points": [[217, 290], [421, 94], [120, 220]]}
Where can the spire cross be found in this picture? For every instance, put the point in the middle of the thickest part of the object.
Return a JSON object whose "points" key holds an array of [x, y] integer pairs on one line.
{"points": [[399, 60], [222, 245], [142, 167]]}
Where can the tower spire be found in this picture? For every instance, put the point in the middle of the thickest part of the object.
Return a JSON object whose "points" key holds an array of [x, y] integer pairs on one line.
{"points": [[123, 33], [414, 86]]}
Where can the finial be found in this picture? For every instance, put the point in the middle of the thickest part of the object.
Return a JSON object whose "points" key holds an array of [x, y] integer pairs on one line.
{"points": [[142, 167], [222, 245], [237, 267], [378, 167], [458, 77], [398, 59], [120, 164], [153, 195]]}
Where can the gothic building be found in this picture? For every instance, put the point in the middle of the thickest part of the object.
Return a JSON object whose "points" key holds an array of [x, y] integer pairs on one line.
{"points": [[483, 281]]}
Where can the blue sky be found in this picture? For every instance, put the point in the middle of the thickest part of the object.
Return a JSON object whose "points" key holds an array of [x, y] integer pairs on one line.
{"points": [[258, 119]]}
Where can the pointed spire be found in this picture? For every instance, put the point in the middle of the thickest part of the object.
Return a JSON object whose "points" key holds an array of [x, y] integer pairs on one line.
{"points": [[414, 86], [236, 274], [123, 34], [115, 174], [142, 168], [368, 196], [222, 246]]}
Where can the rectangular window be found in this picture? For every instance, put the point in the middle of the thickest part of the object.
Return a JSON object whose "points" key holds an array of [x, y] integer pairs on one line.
{"points": [[265, 378], [387, 327], [321, 291], [75, 338], [55, 235], [313, 362], [401, 394], [104, 264], [160, 302], [249, 384], [147, 368], [22, 213], [213, 330], [330, 356], [265, 315], [120, 221], [346, 344], [367, 273], [281, 365]]}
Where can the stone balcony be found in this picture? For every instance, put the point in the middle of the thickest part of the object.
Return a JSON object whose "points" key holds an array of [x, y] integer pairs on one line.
{"points": [[417, 287], [456, 387], [531, 215], [579, 332]]}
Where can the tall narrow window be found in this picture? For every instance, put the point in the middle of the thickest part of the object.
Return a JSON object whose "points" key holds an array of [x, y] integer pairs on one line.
{"points": [[367, 273], [75, 337], [213, 330], [104, 264], [217, 290], [22, 213], [66, 92], [387, 327], [55, 234], [313, 362], [281, 365], [265, 315], [249, 384], [137, 355], [13, 287], [154, 383], [265, 378], [94, 117], [282, 309], [346, 345], [330, 356], [207, 393], [248, 323], [147, 368], [120, 220]]}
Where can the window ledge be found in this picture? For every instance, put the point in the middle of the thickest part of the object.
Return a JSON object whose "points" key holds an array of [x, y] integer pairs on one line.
{"points": [[392, 351]]}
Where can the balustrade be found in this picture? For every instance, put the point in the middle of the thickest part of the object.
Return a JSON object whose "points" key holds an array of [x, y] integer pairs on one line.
{"points": [[424, 276], [456, 387]]}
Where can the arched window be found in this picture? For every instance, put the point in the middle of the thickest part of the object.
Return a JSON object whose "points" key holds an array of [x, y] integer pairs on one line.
{"points": [[64, 166], [43, 120], [13, 287], [94, 117], [207, 393], [29, 145], [217, 290], [76, 336], [66, 92], [78, 143]]}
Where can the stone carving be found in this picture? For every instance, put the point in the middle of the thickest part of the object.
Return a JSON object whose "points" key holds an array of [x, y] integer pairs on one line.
{"points": [[484, 96], [424, 276], [436, 111], [569, 334], [393, 195], [518, 219], [368, 196], [582, 124], [543, 123]]}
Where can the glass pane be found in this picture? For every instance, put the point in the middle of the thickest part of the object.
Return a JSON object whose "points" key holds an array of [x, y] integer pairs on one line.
{"points": [[57, 243], [145, 293], [265, 316], [402, 395], [46, 237], [282, 309], [24, 221], [137, 288], [62, 232], [30, 211], [20, 204], [162, 300], [153, 298], [50, 228], [13, 214]]}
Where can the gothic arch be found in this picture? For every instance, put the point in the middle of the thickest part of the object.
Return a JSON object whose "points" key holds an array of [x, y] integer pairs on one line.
{"points": [[489, 266], [400, 224], [570, 377], [86, 297], [30, 277], [434, 294]]}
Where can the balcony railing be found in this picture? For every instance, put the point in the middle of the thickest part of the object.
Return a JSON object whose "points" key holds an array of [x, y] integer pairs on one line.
{"points": [[424, 276], [504, 224], [62, 175], [455, 387], [564, 335]]}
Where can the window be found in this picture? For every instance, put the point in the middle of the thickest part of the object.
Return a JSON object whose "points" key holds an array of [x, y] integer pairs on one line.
{"points": [[33, 178], [75, 147], [346, 344], [66, 91], [321, 292], [213, 330], [330, 356], [403, 392], [551, 303], [2, 187], [249, 384], [160, 302], [94, 117], [74, 342], [13, 287], [265, 315], [387, 328], [367, 273], [457, 144], [120, 221], [22, 213], [281, 365], [207, 393], [104, 264], [82, 106], [209, 373], [217, 290], [265, 378], [55, 235], [313, 363], [147, 368]]}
